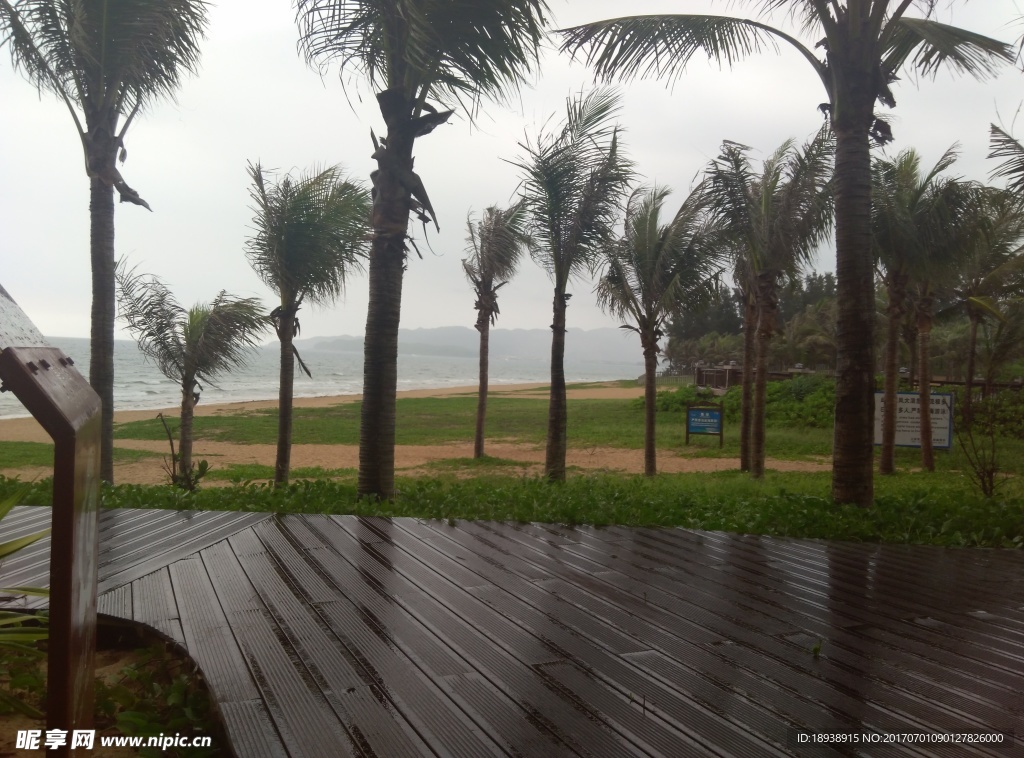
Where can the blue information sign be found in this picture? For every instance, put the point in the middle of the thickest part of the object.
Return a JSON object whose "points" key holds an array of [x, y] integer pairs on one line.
{"points": [[704, 421]]}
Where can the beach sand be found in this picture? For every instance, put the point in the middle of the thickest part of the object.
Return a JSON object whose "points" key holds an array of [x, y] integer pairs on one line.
{"points": [[408, 458]]}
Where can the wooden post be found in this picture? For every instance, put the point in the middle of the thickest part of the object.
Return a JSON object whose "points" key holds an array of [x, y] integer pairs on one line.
{"points": [[61, 400]]}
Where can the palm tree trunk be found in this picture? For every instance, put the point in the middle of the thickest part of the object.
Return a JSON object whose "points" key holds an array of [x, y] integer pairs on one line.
{"points": [[390, 221], [853, 444], [650, 345], [484, 325], [897, 297], [101, 343], [554, 461], [909, 329], [767, 306], [185, 432], [747, 391], [972, 347], [286, 391], [924, 327]]}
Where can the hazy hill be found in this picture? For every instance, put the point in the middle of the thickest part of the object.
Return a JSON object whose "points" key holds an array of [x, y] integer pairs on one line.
{"points": [[463, 342]]}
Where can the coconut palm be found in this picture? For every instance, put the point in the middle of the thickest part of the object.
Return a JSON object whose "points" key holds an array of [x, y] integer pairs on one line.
{"points": [[310, 234], [990, 271], [412, 52], [496, 244], [107, 61], [919, 223], [779, 217], [866, 43], [573, 182], [188, 346], [654, 270]]}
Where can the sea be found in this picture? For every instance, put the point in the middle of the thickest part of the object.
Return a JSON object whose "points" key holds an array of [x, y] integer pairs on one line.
{"points": [[139, 385]]}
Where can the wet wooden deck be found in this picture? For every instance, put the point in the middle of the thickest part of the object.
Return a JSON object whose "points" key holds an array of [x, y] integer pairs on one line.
{"points": [[327, 636]]}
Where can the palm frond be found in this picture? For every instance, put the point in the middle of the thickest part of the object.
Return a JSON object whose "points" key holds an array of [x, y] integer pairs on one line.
{"points": [[1010, 152], [496, 242], [310, 233], [154, 318], [661, 46], [573, 182], [780, 215], [656, 269], [220, 336], [442, 48], [932, 45], [106, 57]]}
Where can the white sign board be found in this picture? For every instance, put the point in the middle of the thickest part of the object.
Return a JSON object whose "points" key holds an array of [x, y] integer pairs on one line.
{"points": [[908, 419]]}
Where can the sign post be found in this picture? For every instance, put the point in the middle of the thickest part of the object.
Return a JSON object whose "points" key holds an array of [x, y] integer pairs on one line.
{"points": [[908, 419], [61, 400], [705, 418]]}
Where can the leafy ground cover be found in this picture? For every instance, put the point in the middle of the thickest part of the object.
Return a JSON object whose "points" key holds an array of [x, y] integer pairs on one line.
{"points": [[143, 688], [939, 509]]}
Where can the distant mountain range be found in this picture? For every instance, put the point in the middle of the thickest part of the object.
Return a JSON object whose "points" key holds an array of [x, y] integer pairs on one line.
{"points": [[614, 345]]}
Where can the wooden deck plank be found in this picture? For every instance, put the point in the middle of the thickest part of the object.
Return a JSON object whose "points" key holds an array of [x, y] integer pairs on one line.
{"points": [[508, 662], [785, 664], [587, 642], [398, 662], [913, 647], [212, 645], [325, 658], [300, 712], [609, 688], [363, 636], [155, 604]]}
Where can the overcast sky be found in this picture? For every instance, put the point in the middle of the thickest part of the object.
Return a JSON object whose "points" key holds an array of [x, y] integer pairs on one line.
{"points": [[255, 99]]}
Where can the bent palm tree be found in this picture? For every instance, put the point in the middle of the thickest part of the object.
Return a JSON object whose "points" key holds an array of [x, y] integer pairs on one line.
{"points": [[414, 51], [310, 234], [866, 43], [573, 181], [653, 271], [497, 242], [188, 346], [779, 217], [106, 60]]}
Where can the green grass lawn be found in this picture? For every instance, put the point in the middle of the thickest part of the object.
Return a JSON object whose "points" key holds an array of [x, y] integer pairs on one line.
{"points": [[24, 454], [943, 507]]}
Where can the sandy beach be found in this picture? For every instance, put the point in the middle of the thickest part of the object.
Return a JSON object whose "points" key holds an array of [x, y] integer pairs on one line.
{"points": [[408, 458]]}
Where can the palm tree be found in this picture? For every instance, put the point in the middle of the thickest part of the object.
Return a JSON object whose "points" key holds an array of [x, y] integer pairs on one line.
{"points": [[779, 217], [991, 272], [866, 43], [496, 243], [653, 271], [413, 51], [310, 234], [107, 61], [573, 182], [918, 227], [188, 346]]}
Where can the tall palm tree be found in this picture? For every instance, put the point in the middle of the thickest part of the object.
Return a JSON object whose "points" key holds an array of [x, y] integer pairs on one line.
{"points": [[866, 43], [573, 182], [412, 52], [107, 60], [188, 346], [779, 217], [496, 244], [918, 225], [310, 234], [991, 271], [654, 270]]}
